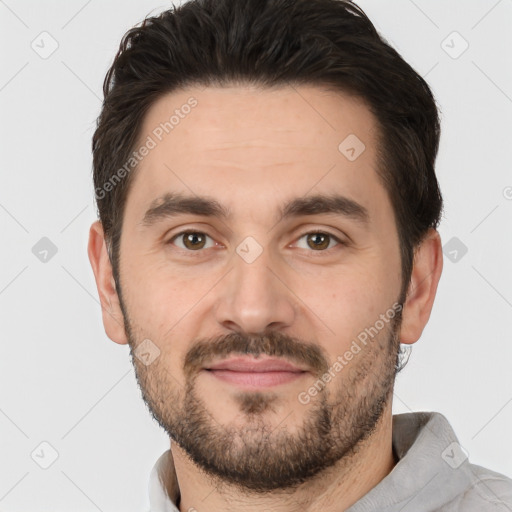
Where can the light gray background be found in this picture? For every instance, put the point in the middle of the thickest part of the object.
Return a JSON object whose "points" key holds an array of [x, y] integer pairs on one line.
{"points": [[64, 382]]}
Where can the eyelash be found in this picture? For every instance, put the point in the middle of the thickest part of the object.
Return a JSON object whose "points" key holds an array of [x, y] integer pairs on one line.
{"points": [[312, 251]]}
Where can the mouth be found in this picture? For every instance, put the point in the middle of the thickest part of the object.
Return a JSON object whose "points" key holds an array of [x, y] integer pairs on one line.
{"points": [[251, 373]]}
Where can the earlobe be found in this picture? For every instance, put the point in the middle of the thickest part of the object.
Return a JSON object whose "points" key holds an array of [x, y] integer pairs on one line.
{"points": [[102, 268], [426, 272]]}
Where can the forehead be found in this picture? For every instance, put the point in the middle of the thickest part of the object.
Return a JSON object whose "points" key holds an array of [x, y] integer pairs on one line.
{"points": [[273, 144]]}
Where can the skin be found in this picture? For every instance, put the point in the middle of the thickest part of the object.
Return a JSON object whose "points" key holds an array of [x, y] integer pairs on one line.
{"points": [[252, 150]]}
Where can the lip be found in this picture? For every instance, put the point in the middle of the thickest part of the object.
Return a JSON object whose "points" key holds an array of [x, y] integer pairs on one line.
{"points": [[253, 365], [251, 373]]}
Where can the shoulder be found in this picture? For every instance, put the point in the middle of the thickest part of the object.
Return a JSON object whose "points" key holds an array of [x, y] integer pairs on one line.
{"points": [[486, 490]]}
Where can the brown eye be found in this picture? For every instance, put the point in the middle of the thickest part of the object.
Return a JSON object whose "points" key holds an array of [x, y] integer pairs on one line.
{"points": [[192, 240], [318, 241]]}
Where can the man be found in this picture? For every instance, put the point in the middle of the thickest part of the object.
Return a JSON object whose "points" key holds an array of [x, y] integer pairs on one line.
{"points": [[264, 172]]}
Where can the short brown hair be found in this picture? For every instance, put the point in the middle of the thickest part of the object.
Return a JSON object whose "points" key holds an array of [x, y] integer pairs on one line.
{"points": [[270, 43]]}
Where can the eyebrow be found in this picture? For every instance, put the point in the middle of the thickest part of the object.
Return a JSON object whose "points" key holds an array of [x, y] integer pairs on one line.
{"points": [[173, 204]]}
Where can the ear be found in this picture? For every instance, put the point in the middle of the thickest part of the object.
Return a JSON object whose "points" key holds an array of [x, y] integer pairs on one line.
{"points": [[426, 272], [102, 268]]}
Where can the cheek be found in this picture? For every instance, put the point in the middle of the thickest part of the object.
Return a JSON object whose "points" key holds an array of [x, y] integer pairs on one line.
{"points": [[346, 303], [167, 307], [158, 312], [158, 294]]}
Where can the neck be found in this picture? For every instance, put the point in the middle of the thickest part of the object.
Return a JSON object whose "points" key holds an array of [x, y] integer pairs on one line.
{"points": [[335, 489]]}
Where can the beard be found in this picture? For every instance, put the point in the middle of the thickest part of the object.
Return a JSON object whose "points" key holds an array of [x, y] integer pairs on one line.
{"points": [[256, 455]]}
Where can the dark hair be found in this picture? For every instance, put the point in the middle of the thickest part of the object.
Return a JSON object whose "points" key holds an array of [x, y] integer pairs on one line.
{"points": [[271, 43]]}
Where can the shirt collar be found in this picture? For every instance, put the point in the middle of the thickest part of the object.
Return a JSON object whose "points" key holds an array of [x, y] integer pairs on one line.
{"points": [[164, 492]]}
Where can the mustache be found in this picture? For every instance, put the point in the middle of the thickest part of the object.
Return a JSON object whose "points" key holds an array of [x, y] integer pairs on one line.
{"points": [[274, 344]]}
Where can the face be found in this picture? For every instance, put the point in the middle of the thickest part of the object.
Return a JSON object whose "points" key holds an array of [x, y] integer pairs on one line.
{"points": [[260, 258]]}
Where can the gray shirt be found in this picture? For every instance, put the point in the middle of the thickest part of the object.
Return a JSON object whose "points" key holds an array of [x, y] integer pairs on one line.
{"points": [[433, 473]]}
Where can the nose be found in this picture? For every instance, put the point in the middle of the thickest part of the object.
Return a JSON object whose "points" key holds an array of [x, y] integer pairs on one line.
{"points": [[254, 297]]}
